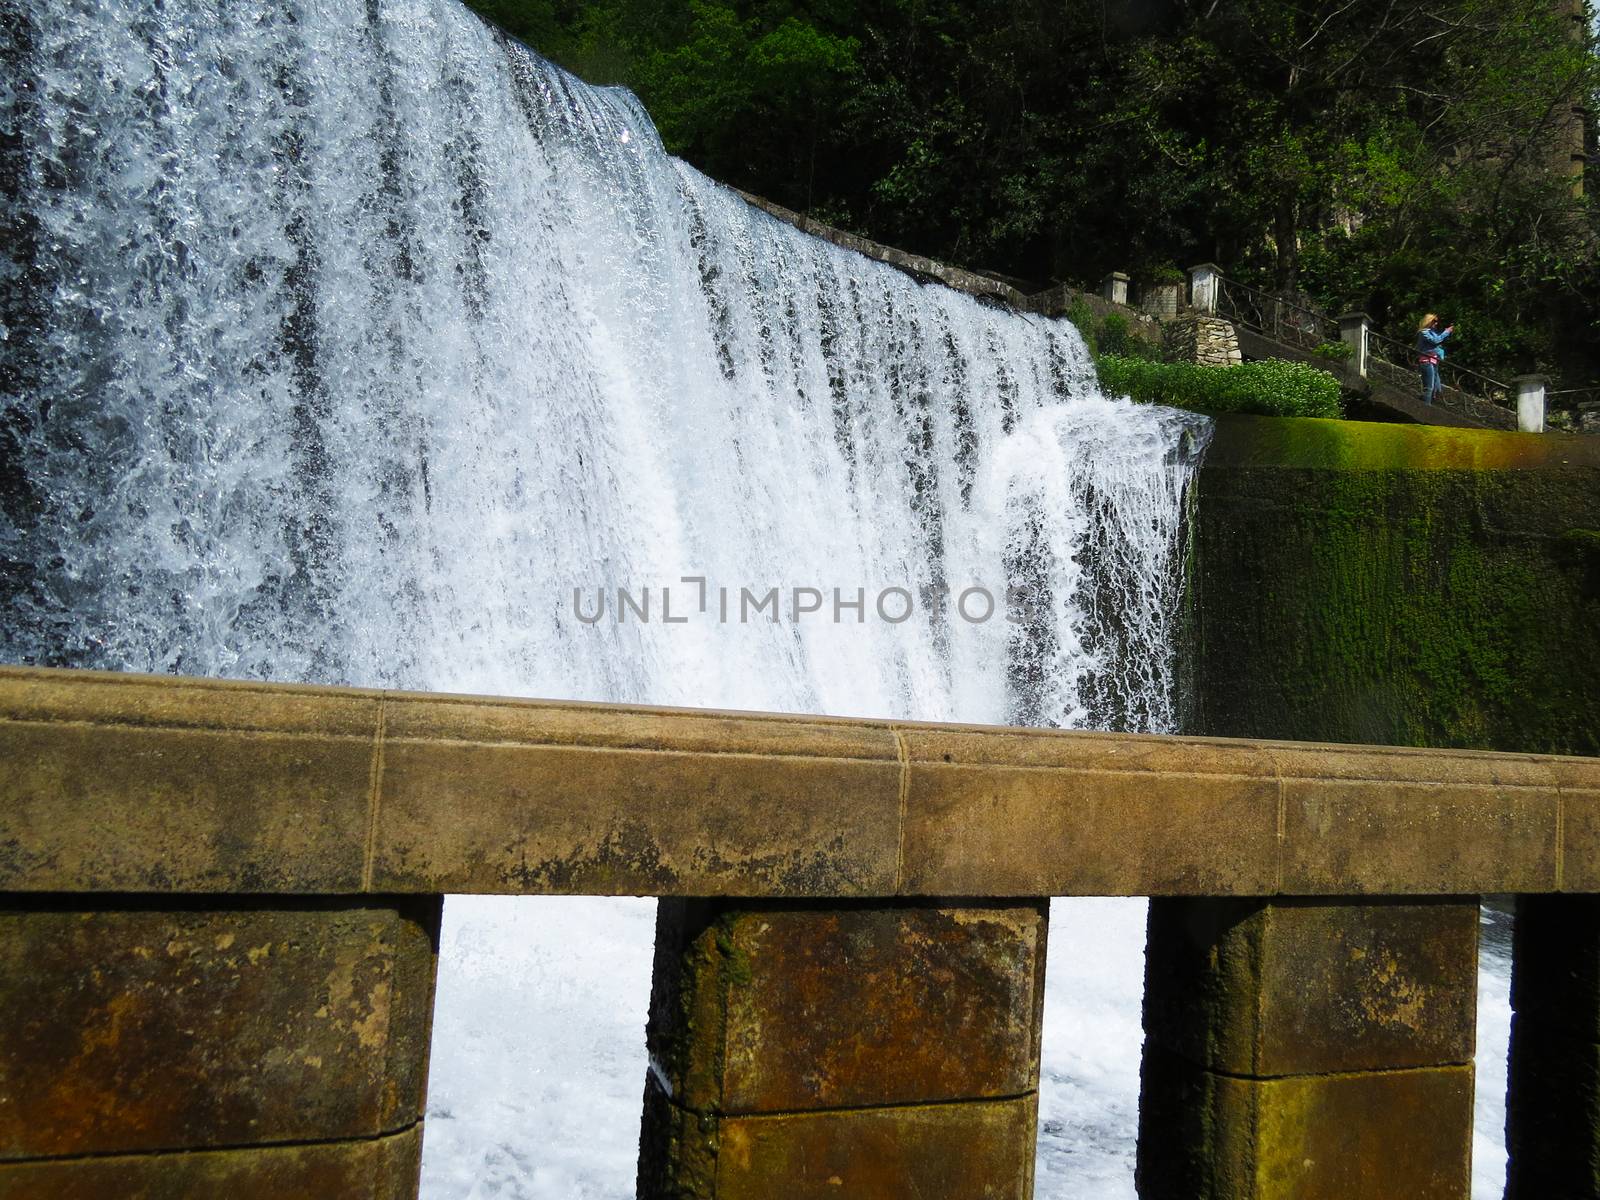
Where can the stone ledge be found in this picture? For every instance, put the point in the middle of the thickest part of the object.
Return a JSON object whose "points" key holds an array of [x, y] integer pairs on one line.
{"points": [[1313, 443], [917, 265], [165, 785]]}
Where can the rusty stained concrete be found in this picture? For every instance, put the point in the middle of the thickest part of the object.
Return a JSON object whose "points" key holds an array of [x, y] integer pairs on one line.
{"points": [[163, 1028], [981, 1150], [1266, 988], [778, 1009], [798, 1050]]}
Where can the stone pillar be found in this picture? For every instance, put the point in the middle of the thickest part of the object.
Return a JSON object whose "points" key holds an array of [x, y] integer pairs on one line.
{"points": [[1553, 1103], [1308, 1050], [1114, 287], [1160, 300], [230, 1048], [1204, 281], [1530, 402], [809, 1050], [1354, 331]]}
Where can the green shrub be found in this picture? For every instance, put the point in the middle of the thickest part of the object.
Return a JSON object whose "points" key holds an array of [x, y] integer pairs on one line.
{"points": [[1272, 388], [1115, 337], [1334, 351], [1082, 317]]}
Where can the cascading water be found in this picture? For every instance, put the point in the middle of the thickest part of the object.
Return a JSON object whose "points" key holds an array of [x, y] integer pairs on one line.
{"points": [[350, 342]]}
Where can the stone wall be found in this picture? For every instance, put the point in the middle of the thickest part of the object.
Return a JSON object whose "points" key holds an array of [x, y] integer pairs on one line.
{"points": [[1200, 338], [972, 282], [1055, 301], [1397, 584]]}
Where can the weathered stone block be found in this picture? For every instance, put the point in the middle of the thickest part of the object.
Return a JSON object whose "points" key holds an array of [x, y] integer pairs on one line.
{"points": [[165, 1027], [384, 1168], [1373, 1136], [1259, 988], [1580, 841], [827, 1050], [1383, 837], [780, 1009], [983, 818], [980, 1150], [474, 817], [129, 808]]}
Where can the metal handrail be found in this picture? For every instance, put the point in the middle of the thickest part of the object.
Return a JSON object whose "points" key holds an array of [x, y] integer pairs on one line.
{"points": [[1303, 326], [1460, 386], [1570, 398], [1283, 319]]}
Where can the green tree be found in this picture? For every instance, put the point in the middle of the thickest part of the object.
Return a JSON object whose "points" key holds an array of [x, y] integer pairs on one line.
{"points": [[1370, 153]]}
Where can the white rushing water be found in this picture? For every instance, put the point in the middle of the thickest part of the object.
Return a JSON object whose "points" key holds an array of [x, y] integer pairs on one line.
{"points": [[350, 342]]}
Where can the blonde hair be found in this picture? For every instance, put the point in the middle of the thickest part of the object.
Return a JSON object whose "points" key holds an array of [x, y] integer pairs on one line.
{"points": [[1427, 320]]}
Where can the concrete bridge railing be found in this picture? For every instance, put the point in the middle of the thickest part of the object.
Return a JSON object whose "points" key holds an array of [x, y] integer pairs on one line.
{"points": [[221, 903]]}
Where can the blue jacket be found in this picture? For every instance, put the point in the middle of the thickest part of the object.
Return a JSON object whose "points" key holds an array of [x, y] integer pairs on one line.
{"points": [[1431, 341]]}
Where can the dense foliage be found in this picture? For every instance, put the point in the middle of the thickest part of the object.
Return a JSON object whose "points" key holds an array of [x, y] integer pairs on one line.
{"points": [[1272, 388], [1393, 157]]}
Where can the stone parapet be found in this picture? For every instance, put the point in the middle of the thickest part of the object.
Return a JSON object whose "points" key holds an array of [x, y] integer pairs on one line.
{"points": [[974, 283], [149, 784]]}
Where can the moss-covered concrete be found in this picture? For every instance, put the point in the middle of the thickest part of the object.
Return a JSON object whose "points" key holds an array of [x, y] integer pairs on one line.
{"points": [[1395, 584]]}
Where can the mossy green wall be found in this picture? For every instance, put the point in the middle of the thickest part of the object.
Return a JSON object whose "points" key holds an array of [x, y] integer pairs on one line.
{"points": [[1397, 584]]}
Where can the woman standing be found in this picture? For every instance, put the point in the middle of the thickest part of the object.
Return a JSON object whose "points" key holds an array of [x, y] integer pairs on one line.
{"points": [[1430, 353]]}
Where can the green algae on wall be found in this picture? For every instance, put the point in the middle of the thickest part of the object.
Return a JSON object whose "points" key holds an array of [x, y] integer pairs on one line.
{"points": [[1397, 584]]}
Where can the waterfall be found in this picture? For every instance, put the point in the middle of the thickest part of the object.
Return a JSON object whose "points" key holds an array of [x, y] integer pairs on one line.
{"points": [[351, 342]]}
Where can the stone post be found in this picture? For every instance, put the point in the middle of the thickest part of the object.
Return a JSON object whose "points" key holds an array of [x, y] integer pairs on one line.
{"points": [[1160, 300], [1355, 329], [1553, 1102], [1530, 402], [214, 1046], [811, 1050], [1308, 1050], [1204, 282], [1114, 287]]}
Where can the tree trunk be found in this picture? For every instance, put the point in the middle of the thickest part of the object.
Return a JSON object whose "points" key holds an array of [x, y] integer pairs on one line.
{"points": [[1286, 233]]}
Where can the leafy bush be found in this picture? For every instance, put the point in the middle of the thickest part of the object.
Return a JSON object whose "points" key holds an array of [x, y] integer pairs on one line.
{"points": [[1115, 337], [1272, 388], [1334, 351], [1082, 316]]}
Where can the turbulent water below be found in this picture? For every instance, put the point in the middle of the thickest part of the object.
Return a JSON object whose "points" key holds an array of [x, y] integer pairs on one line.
{"points": [[347, 341]]}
